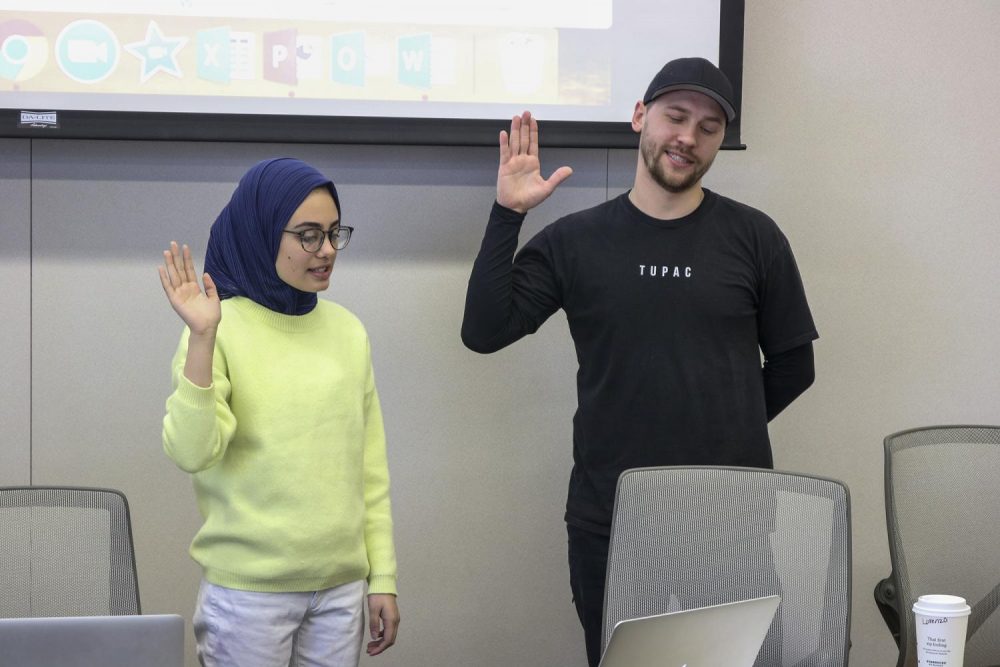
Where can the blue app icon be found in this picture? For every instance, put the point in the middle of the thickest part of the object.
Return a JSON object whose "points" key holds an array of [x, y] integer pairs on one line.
{"points": [[347, 51], [414, 60], [87, 51], [213, 55]]}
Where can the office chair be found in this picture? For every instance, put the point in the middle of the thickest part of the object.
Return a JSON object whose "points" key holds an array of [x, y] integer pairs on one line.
{"points": [[66, 552], [689, 537], [942, 506]]}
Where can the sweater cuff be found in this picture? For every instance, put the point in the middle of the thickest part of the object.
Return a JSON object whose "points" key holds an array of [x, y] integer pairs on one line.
{"points": [[381, 584], [194, 395]]}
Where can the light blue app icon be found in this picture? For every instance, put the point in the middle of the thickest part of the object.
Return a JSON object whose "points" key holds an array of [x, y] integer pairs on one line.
{"points": [[414, 60], [347, 51], [213, 55], [157, 53], [87, 51], [14, 52], [24, 50]]}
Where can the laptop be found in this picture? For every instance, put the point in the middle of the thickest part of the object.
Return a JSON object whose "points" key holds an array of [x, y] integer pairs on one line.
{"points": [[728, 634], [156, 640]]}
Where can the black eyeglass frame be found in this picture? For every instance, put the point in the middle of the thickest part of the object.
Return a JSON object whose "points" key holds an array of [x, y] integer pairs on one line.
{"points": [[338, 238]]}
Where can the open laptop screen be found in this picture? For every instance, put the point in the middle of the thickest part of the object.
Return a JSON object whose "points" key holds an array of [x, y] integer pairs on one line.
{"points": [[728, 634], [155, 640]]}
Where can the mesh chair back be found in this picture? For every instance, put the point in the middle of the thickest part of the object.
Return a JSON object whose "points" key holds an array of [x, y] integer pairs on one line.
{"points": [[942, 508], [66, 552], [688, 537]]}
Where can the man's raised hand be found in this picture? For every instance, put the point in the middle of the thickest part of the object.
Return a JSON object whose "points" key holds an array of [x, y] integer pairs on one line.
{"points": [[520, 185]]}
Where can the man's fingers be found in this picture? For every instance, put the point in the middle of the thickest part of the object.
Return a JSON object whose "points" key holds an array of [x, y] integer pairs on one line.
{"points": [[514, 139], [504, 146], [524, 141], [533, 137], [560, 175]]}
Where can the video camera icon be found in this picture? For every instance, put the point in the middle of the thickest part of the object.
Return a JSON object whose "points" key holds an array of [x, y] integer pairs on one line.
{"points": [[87, 51]]}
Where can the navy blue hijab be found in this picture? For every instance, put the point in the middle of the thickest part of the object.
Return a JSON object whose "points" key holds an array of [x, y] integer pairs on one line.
{"points": [[243, 244]]}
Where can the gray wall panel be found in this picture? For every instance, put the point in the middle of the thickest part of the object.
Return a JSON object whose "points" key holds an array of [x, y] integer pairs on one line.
{"points": [[15, 304]]}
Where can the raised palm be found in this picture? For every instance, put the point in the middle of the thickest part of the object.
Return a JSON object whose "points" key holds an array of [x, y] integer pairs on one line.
{"points": [[200, 309], [520, 185]]}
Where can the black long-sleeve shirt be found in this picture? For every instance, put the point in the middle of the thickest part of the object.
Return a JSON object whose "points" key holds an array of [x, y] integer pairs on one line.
{"points": [[669, 319]]}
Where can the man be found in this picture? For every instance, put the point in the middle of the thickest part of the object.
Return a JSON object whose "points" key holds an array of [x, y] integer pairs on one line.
{"points": [[671, 293]]}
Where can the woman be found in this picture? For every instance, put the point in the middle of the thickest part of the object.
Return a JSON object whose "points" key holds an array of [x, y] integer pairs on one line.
{"points": [[275, 414]]}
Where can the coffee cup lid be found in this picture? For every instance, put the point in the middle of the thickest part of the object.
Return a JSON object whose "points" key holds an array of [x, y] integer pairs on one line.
{"points": [[941, 605]]}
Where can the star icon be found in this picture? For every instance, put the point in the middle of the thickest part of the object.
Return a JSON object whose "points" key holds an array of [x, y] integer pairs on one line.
{"points": [[157, 53]]}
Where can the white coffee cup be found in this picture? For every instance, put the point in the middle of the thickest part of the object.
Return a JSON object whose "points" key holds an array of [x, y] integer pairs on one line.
{"points": [[942, 621]]}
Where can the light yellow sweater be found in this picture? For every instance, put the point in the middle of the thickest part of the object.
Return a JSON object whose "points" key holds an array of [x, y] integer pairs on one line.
{"points": [[287, 452]]}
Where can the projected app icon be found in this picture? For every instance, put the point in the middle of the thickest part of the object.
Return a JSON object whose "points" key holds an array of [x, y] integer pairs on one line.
{"points": [[279, 57], [24, 50], [87, 51], [308, 61], [347, 63], [414, 60], [157, 53], [522, 62], [290, 57], [224, 55]]}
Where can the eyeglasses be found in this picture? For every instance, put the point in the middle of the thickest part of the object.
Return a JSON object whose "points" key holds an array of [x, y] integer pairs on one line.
{"points": [[312, 239]]}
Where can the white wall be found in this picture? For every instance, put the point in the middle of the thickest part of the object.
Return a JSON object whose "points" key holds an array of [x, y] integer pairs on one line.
{"points": [[872, 141]]}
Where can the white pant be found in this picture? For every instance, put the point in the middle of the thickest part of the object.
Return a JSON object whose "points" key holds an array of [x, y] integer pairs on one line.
{"points": [[246, 629]]}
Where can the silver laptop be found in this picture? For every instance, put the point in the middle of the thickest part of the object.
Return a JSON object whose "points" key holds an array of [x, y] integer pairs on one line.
{"points": [[727, 634], [156, 640]]}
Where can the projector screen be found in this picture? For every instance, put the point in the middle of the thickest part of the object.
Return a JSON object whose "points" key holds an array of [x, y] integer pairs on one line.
{"points": [[386, 71]]}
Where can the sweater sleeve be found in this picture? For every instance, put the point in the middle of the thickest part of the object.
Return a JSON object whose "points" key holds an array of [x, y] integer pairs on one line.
{"points": [[378, 510], [507, 298], [198, 425]]}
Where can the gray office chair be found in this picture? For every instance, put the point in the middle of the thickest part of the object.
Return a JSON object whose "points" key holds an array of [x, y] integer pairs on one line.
{"points": [[942, 506], [66, 552], [688, 537]]}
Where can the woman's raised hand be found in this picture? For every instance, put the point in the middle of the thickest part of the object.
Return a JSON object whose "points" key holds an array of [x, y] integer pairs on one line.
{"points": [[200, 310]]}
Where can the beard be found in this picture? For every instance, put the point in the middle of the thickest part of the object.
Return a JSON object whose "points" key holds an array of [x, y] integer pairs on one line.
{"points": [[652, 157]]}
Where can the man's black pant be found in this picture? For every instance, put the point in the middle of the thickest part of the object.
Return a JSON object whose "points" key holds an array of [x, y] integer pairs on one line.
{"points": [[588, 566]]}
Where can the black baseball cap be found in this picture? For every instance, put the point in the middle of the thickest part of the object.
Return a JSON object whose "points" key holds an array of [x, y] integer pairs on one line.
{"points": [[695, 74]]}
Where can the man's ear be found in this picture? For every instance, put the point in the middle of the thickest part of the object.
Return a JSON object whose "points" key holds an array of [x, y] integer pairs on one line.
{"points": [[638, 116]]}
